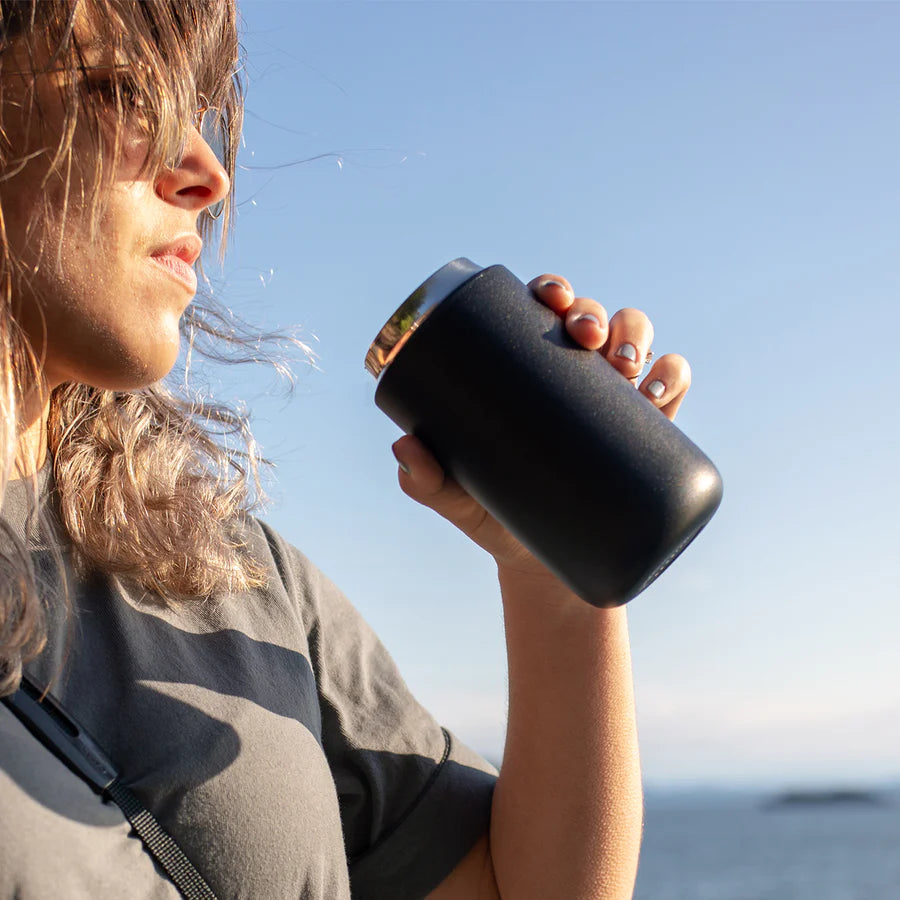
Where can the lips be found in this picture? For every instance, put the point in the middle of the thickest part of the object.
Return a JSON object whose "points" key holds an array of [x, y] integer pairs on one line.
{"points": [[178, 258]]}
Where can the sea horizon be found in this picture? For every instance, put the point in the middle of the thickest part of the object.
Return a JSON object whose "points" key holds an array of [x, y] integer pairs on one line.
{"points": [[713, 842]]}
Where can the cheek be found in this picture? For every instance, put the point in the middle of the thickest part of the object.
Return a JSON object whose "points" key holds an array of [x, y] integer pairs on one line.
{"points": [[134, 155], [92, 303]]}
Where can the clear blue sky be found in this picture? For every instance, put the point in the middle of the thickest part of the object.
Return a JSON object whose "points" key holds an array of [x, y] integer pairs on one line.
{"points": [[734, 170]]}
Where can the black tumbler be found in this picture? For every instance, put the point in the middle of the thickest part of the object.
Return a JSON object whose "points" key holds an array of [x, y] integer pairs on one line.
{"points": [[594, 480]]}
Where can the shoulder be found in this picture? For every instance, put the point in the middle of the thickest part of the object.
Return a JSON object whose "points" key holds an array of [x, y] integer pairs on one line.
{"points": [[280, 558], [296, 590], [287, 569]]}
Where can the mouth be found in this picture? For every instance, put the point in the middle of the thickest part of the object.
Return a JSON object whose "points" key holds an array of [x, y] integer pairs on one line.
{"points": [[178, 258], [179, 269]]}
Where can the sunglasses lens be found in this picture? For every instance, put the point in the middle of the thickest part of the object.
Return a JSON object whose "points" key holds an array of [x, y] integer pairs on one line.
{"points": [[214, 130]]}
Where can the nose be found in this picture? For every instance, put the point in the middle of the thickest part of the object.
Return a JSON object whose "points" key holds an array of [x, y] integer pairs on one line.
{"points": [[198, 181]]}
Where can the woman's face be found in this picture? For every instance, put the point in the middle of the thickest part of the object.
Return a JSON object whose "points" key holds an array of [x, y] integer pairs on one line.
{"points": [[103, 311]]}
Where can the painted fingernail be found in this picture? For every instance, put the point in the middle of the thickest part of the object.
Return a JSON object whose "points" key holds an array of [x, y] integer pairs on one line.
{"points": [[552, 281], [657, 388], [627, 351], [586, 317]]}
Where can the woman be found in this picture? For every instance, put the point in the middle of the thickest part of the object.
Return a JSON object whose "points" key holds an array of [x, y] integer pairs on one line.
{"points": [[243, 700]]}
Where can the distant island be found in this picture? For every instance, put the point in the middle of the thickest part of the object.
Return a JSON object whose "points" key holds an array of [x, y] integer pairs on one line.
{"points": [[838, 797]]}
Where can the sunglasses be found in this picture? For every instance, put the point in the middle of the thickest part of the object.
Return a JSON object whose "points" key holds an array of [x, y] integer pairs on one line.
{"points": [[212, 125], [210, 121]]}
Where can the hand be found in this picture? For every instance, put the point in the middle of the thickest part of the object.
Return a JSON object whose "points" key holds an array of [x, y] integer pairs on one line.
{"points": [[624, 341]]}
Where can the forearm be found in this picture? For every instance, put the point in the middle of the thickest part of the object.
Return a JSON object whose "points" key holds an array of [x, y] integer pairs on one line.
{"points": [[566, 819]]}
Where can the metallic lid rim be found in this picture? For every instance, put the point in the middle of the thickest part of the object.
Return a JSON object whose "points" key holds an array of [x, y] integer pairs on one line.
{"points": [[413, 311]]}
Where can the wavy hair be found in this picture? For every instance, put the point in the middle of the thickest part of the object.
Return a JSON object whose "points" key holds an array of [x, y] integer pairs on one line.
{"points": [[150, 483]]}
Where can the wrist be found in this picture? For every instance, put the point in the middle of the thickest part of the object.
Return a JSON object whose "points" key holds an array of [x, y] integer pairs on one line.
{"points": [[536, 588]]}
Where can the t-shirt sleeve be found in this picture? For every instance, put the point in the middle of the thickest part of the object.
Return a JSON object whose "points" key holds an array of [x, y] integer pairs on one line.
{"points": [[413, 799]]}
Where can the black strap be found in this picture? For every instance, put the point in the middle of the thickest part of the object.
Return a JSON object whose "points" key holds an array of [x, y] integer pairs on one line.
{"points": [[43, 716]]}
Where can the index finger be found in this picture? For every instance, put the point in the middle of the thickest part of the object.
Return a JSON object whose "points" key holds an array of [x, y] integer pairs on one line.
{"points": [[553, 291]]}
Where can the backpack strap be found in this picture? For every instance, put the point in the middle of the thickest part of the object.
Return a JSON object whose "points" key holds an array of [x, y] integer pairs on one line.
{"points": [[46, 719]]}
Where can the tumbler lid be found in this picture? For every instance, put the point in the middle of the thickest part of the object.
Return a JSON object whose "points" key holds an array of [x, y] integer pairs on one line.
{"points": [[412, 312]]}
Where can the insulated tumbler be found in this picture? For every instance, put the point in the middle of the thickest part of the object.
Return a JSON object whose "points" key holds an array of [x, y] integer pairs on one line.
{"points": [[579, 466]]}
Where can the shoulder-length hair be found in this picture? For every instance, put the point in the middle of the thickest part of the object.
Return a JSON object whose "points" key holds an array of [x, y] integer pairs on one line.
{"points": [[150, 484]]}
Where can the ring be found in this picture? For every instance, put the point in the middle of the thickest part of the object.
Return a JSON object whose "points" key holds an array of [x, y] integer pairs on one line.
{"points": [[648, 357]]}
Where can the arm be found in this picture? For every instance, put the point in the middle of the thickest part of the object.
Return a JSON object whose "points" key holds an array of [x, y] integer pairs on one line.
{"points": [[566, 815], [570, 789], [567, 810], [569, 795]]}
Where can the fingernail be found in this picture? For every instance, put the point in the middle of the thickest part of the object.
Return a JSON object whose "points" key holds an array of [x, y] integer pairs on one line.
{"points": [[403, 466], [548, 281], [657, 388], [586, 317], [627, 351]]}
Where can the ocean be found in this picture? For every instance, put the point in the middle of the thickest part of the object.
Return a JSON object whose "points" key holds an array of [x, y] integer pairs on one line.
{"points": [[731, 847]]}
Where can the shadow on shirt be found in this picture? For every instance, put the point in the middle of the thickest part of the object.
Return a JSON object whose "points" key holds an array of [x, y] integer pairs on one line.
{"points": [[193, 719]]}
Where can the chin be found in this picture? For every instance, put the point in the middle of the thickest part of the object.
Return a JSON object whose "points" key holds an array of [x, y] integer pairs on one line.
{"points": [[143, 376], [126, 371]]}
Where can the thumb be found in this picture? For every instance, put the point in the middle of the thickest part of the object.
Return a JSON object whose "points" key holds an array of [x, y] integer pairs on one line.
{"points": [[422, 478]]}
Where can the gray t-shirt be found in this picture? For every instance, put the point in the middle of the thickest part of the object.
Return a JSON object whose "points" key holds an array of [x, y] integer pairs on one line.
{"points": [[270, 733]]}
